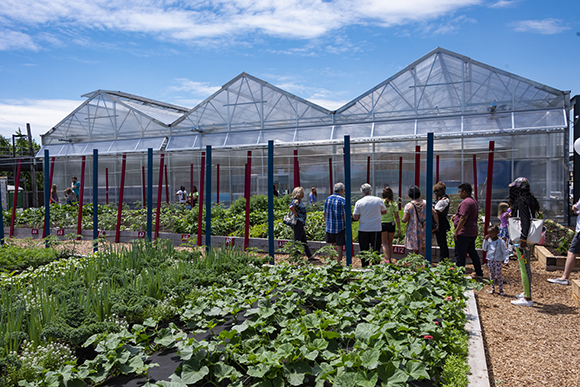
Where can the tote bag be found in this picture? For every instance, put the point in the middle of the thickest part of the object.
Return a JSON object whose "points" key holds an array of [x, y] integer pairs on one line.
{"points": [[534, 233], [289, 219]]}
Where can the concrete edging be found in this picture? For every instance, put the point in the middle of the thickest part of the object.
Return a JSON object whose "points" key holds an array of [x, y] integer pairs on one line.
{"points": [[478, 373]]}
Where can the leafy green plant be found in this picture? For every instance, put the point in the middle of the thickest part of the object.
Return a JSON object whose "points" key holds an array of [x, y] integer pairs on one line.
{"points": [[295, 250], [371, 256]]}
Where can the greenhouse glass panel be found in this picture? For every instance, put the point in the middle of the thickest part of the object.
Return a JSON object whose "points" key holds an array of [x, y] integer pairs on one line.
{"points": [[181, 142], [241, 139], [439, 126], [123, 146], [486, 123], [101, 147], [394, 129], [284, 136], [543, 119], [313, 134], [356, 131], [530, 145], [556, 145]]}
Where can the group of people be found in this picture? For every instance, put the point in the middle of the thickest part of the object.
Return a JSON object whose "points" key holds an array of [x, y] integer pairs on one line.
{"points": [[379, 221], [189, 201], [71, 193]]}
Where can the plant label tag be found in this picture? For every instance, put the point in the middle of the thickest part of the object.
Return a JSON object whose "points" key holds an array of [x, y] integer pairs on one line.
{"points": [[34, 231], [185, 237], [397, 249], [141, 234], [281, 243], [230, 241], [102, 233], [60, 232]]}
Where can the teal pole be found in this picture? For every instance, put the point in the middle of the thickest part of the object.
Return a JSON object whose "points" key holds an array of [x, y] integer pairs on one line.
{"points": [[271, 200], [429, 196], [149, 192], [208, 198], [347, 185], [95, 200], [46, 202]]}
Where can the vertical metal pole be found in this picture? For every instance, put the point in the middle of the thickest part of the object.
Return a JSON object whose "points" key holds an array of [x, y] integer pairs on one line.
{"points": [[166, 186], [81, 198], [107, 185], [417, 165], [368, 169], [159, 196], [400, 182], [488, 188], [296, 170], [50, 192], [95, 199], [437, 171], [429, 225], [120, 205], [15, 201], [347, 184], [475, 177], [200, 199], [191, 180], [149, 193], [271, 200], [51, 172], [208, 198], [46, 200], [248, 194], [144, 186], [218, 183]]}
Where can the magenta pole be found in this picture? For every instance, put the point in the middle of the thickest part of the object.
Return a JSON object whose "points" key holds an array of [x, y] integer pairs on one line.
{"points": [[200, 198], [159, 196], [488, 186], [166, 186], [15, 201], [191, 179], [218, 183], [437, 170], [81, 197], [50, 196], [400, 182], [330, 174], [120, 205], [417, 165], [107, 185], [475, 177], [144, 190], [296, 169], [368, 169], [248, 191]]}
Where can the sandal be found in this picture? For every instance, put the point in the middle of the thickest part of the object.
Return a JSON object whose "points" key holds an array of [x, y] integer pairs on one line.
{"points": [[491, 291]]}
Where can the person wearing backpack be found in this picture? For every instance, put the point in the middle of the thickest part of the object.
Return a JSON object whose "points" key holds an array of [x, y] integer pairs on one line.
{"points": [[415, 215]]}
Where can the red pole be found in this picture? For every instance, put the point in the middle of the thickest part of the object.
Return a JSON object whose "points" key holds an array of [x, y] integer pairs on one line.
{"points": [[368, 169], [81, 196], [475, 177], [121, 190], [200, 201], [330, 174], [248, 191], [296, 170], [159, 196], [400, 182], [107, 185], [218, 183], [166, 186], [50, 186], [488, 188], [144, 190], [15, 201], [417, 164], [437, 170], [191, 180]]}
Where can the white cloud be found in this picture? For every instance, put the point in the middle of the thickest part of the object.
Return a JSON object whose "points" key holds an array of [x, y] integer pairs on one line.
{"points": [[15, 40], [40, 114], [193, 87], [505, 4], [198, 20], [546, 26]]}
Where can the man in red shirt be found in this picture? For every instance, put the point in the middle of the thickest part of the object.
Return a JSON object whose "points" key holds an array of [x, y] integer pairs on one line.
{"points": [[465, 222]]}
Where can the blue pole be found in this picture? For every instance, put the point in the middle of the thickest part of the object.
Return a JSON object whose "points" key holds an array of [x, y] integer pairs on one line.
{"points": [[347, 189], [149, 192], [207, 198], [271, 200], [95, 200], [429, 196], [46, 201]]}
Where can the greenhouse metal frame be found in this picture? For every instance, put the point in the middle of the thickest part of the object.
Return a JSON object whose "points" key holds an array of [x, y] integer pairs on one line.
{"points": [[465, 104]]}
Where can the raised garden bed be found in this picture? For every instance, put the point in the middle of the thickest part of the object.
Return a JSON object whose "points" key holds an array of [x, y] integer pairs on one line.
{"points": [[551, 262]]}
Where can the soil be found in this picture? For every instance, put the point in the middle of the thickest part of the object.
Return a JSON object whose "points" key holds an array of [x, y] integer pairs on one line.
{"points": [[525, 346]]}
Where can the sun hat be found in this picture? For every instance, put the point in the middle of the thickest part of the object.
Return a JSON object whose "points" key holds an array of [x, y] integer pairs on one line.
{"points": [[521, 182]]}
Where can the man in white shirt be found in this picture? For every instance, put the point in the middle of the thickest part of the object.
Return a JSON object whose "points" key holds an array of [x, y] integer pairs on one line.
{"points": [[573, 252], [368, 211]]}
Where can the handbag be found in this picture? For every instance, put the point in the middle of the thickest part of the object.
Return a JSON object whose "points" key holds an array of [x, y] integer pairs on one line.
{"points": [[289, 219], [534, 233]]}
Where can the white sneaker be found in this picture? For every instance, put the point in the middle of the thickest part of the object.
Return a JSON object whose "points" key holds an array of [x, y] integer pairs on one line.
{"points": [[522, 302], [559, 281], [521, 295]]}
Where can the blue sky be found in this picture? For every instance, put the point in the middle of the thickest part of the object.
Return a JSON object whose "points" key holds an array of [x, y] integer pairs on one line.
{"points": [[326, 51]]}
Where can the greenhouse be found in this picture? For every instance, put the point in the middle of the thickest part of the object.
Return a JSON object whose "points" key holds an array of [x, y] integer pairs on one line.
{"points": [[465, 103]]}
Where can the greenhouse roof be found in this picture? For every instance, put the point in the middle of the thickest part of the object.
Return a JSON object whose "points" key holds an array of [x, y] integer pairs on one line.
{"points": [[443, 92]]}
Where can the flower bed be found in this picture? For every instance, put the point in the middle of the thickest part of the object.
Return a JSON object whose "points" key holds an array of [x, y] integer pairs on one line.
{"points": [[293, 325]]}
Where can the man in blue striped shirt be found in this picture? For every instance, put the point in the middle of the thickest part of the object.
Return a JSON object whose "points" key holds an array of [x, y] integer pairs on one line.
{"points": [[334, 217]]}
